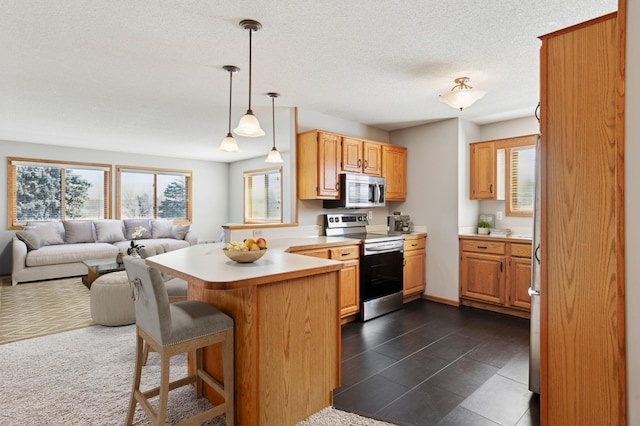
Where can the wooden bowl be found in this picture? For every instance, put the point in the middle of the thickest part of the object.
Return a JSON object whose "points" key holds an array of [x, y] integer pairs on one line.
{"points": [[244, 256]]}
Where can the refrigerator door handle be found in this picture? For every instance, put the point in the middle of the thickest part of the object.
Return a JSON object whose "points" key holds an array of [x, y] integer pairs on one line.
{"points": [[536, 253], [533, 292]]}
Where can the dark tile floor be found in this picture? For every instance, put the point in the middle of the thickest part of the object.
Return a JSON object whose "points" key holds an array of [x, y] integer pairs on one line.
{"points": [[433, 364]]}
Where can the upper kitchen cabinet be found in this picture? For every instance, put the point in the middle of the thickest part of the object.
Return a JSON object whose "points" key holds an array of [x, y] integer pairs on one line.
{"points": [[394, 169], [318, 165], [483, 183], [361, 156]]}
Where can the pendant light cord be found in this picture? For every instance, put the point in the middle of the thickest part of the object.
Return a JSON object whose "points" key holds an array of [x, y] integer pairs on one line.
{"points": [[273, 120], [250, 67], [230, 91]]}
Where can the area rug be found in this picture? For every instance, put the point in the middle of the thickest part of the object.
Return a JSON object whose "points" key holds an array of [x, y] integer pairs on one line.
{"points": [[42, 308], [84, 376]]}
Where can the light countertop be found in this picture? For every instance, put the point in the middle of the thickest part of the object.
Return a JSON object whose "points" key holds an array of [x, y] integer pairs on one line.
{"points": [[510, 238]]}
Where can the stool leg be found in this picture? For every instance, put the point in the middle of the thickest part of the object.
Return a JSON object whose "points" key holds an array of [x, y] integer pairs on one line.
{"points": [[145, 353], [228, 373], [164, 388], [197, 365], [136, 379]]}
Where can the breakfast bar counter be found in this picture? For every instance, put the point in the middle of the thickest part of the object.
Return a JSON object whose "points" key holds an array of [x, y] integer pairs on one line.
{"points": [[287, 330]]}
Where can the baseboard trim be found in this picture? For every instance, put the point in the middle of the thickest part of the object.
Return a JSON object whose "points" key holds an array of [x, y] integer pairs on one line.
{"points": [[444, 301]]}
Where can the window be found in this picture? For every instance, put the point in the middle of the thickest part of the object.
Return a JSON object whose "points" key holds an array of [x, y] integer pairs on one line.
{"points": [[56, 190], [153, 193], [263, 196], [520, 172]]}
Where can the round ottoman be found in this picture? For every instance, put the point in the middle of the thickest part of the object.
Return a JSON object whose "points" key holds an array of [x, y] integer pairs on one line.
{"points": [[111, 302]]}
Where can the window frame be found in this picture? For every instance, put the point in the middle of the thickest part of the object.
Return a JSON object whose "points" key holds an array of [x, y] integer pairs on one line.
{"points": [[509, 145], [155, 171], [255, 172], [13, 162]]}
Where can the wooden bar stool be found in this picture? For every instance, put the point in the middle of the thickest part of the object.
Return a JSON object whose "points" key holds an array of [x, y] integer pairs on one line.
{"points": [[171, 329]]}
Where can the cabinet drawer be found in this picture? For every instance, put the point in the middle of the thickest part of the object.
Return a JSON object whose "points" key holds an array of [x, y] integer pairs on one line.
{"points": [[479, 246], [323, 253], [345, 253], [417, 244], [521, 250]]}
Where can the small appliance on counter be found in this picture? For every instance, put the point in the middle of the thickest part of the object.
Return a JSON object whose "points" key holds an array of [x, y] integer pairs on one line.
{"points": [[399, 223]]}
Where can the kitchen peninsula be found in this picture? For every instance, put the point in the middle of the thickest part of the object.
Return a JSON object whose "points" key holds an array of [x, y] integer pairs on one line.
{"points": [[287, 328]]}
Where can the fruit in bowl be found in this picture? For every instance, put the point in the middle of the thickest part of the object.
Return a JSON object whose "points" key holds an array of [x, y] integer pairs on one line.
{"points": [[246, 251]]}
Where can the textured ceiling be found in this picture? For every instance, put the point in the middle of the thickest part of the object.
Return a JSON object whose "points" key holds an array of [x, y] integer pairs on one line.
{"points": [[147, 74]]}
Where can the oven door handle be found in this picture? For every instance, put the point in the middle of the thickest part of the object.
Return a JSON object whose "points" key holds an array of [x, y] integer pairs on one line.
{"points": [[384, 248]]}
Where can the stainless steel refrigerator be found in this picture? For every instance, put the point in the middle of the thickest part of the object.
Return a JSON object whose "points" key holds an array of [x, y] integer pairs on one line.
{"points": [[534, 290]]}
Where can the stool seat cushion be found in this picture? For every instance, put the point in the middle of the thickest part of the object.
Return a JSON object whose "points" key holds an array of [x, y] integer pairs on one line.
{"points": [[192, 319], [110, 299]]}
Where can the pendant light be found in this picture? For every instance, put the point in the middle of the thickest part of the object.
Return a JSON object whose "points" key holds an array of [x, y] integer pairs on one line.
{"points": [[229, 144], [274, 155], [462, 95], [249, 125]]}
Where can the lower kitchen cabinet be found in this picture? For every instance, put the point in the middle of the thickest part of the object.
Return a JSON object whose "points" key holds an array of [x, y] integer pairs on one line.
{"points": [[414, 276], [495, 275], [349, 275]]}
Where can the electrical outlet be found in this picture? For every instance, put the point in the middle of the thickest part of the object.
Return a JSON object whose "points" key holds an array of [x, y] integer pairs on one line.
{"points": [[499, 215], [257, 233], [370, 214]]}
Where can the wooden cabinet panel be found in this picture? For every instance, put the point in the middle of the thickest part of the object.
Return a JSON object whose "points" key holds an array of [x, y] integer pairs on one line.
{"points": [[414, 272], [350, 288], [414, 244], [322, 253], [520, 250], [345, 253], [483, 277], [372, 158], [483, 246], [482, 165], [351, 155], [318, 165], [394, 169], [519, 282]]}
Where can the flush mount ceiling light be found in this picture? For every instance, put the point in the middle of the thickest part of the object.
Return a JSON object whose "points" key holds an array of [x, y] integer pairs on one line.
{"points": [[229, 144], [249, 125], [462, 95], [274, 155]]}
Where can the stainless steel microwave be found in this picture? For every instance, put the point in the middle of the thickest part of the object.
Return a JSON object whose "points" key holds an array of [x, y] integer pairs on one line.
{"points": [[358, 191]]}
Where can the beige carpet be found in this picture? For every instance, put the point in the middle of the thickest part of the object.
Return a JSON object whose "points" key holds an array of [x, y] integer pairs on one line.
{"points": [[41, 308], [83, 377]]}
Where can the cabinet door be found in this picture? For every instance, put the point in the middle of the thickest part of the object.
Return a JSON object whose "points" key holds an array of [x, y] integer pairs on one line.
{"points": [[351, 155], [482, 277], [414, 272], [519, 282], [394, 169], [482, 171], [372, 155], [329, 151], [349, 288]]}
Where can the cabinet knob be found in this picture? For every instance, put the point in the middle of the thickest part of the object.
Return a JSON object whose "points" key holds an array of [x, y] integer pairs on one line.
{"points": [[366, 164], [491, 188], [359, 162]]}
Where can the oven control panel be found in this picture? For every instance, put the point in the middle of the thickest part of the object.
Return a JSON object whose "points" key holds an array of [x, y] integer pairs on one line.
{"points": [[345, 220]]}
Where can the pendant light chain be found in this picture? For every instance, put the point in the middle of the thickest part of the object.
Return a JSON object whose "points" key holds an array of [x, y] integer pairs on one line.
{"points": [[250, 31], [273, 119], [230, 91]]}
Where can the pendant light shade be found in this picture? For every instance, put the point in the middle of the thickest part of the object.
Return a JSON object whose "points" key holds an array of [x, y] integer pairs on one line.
{"points": [[462, 95], [229, 144], [249, 125], [274, 155]]}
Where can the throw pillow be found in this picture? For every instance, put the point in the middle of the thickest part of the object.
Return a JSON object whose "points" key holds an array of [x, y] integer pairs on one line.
{"points": [[30, 238], [78, 231], [130, 226], [108, 231], [161, 228], [179, 231], [49, 232]]}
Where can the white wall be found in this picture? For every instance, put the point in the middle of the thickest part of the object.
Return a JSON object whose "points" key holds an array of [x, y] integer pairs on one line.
{"points": [[632, 210], [467, 209], [210, 185], [432, 198]]}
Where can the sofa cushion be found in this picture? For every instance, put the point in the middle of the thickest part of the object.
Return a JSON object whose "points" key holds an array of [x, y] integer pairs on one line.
{"points": [[48, 231], [31, 239], [70, 253], [161, 228], [78, 231], [130, 226], [108, 231], [179, 231]]}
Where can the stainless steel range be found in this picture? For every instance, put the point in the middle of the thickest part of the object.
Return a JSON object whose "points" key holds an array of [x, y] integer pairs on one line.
{"points": [[381, 263]]}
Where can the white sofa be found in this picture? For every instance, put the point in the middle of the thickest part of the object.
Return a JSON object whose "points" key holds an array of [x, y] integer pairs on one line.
{"points": [[46, 250]]}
